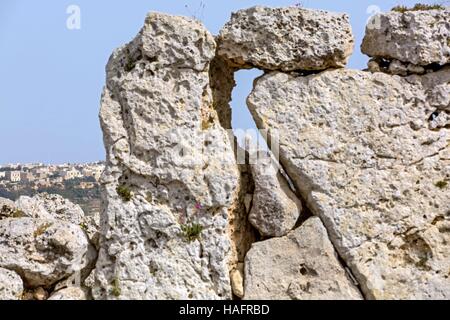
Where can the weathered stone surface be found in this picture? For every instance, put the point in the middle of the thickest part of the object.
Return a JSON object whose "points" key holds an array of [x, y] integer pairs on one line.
{"points": [[70, 293], [40, 294], [275, 208], [418, 37], [396, 67], [374, 66], [89, 283], [170, 168], [300, 266], [54, 206], [439, 96], [50, 206], [366, 156], [237, 280], [11, 285], [84, 280], [286, 39], [43, 251]]}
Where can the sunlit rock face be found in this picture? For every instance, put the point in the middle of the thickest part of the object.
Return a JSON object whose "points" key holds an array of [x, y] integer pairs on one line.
{"points": [[275, 208], [417, 37], [11, 285], [299, 266], [365, 152], [286, 39], [171, 180], [43, 251], [371, 161]]}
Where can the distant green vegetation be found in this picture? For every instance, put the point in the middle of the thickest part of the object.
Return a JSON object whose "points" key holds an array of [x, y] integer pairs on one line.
{"points": [[88, 199], [418, 7]]}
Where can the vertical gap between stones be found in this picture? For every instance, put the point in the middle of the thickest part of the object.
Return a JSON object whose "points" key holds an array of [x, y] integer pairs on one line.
{"points": [[308, 212], [234, 114], [242, 233]]}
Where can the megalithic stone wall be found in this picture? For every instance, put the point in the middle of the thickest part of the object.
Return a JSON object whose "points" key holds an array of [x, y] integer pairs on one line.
{"points": [[369, 153], [366, 152]]}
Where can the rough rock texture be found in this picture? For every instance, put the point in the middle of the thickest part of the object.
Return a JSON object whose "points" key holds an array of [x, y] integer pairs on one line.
{"points": [[418, 37], [55, 207], [275, 208], [43, 251], [11, 285], [50, 206], [237, 280], [300, 266], [286, 39], [40, 294], [170, 170], [70, 293], [370, 155], [396, 67]]}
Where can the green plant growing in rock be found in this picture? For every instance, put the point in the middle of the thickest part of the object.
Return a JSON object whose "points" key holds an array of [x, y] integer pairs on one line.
{"points": [[84, 227], [41, 229], [124, 192], [192, 231], [149, 197], [441, 184], [18, 214], [116, 291], [418, 7]]}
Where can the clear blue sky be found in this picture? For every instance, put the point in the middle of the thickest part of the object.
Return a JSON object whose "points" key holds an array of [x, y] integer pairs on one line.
{"points": [[51, 77]]}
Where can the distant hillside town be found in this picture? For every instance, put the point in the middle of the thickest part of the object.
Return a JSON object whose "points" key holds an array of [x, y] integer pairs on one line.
{"points": [[77, 182]]}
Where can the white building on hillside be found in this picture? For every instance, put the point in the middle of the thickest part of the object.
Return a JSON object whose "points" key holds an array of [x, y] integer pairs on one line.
{"points": [[72, 173], [13, 176]]}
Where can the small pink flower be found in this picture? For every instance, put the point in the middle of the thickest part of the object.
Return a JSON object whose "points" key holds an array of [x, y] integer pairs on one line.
{"points": [[198, 206]]}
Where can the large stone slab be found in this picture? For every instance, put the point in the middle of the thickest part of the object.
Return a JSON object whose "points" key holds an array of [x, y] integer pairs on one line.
{"points": [[43, 251], [370, 155], [301, 266], [56, 207], [286, 39], [417, 37], [275, 208], [171, 179], [50, 206]]}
